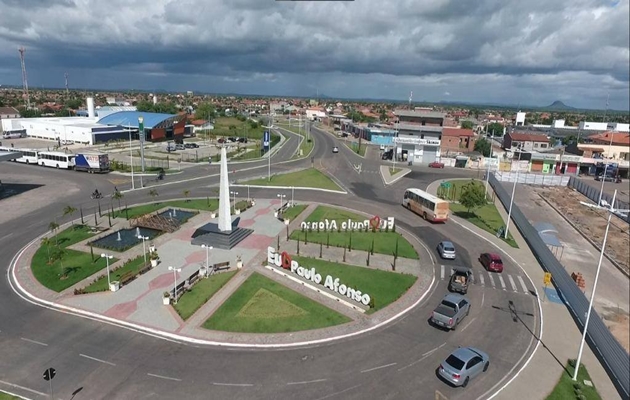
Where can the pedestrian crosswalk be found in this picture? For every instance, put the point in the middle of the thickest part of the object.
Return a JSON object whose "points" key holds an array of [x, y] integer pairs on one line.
{"points": [[506, 282]]}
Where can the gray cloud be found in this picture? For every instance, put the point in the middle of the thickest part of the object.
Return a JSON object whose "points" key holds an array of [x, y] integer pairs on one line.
{"points": [[577, 42]]}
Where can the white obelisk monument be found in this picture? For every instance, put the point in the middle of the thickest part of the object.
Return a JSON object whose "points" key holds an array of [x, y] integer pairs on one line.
{"points": [[225, 219]]}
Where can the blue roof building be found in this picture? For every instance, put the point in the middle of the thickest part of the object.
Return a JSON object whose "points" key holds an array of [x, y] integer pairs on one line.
{"points": [[129, 119]]}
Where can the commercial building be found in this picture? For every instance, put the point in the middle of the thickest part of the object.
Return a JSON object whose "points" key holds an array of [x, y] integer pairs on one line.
{"points": [[526, 141], [457, 140], [9, 112], [604, 126], [157, 127], [419, 136]]}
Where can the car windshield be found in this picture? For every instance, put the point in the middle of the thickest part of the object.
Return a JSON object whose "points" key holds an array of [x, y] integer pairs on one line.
{"points": [[447, 248], [455, 362]]}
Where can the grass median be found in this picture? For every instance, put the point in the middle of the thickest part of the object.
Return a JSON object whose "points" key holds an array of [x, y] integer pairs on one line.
{"points": [[383, 287], [261, 305], [57, 267], [200, 293], [360, 150], [310, 178], [566, 388], [193, 204], [131, 266], [292, 212], [307, 143]]}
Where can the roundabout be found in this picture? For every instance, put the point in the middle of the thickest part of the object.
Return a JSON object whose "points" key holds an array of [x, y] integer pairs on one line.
{"points": [[393, 354]]}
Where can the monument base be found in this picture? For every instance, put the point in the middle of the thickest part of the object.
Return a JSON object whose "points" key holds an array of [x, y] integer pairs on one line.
{"points": [[210, 235]]}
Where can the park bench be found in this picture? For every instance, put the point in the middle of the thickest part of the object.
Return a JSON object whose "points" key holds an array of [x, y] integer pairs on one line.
{"points": [[218, 266], [194, 277], [126, 278], [144, 269], [97, 229]]}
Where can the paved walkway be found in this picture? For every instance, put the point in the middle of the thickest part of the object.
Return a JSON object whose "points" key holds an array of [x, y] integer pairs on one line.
{"points": [[561, 337]]}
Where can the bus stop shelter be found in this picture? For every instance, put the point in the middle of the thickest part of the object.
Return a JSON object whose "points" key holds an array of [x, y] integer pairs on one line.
{"points": [[548, 233]]}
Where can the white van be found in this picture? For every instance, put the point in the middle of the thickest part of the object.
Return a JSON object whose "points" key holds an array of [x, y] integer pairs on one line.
{"points": [[171, 146]]}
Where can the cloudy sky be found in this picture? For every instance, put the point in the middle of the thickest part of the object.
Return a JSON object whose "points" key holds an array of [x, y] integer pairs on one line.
{"points": [[493, 51]]}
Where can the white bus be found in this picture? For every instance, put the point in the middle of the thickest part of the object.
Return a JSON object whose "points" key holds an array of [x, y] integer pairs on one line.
{"points": [[28, 156], [428, 206], [56, 159]]}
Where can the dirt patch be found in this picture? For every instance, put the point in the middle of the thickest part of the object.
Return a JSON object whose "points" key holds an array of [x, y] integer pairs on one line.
{"points": [[592, 222], [618, 323]]}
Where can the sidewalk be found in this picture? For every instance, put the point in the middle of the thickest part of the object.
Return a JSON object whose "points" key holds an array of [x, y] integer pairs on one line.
{"points": [[560, 337]]}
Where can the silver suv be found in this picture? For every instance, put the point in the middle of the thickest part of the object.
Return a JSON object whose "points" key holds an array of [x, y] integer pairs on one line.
{"points": [[462, 365], [446, 250]]}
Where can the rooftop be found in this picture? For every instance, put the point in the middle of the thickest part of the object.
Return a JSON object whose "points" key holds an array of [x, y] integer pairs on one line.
{"points": [[618, 138], [457, 132], [130, 119], [418, 114], [528, 137], [419, 128]]}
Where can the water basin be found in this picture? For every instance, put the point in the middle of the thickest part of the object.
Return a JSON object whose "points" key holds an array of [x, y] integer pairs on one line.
{"points": [[124, 239], [180, 215]]}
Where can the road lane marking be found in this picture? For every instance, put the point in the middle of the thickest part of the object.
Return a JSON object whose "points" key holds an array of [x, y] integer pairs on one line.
{"points": [[307, 382], [168, 378], [502, 282], [336, 393], [375, 368], [6, 236], [483, 298], [425, 355], [24, 388], [98, 360], [467, 325], [482, 280], [34, 341], [233, 384], [491, 280], [522, 284], [441, 272], [512, 283]]}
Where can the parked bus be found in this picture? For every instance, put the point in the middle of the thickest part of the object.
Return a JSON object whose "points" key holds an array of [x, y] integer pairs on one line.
{"points": [[426, 205], [28, 156], [56, 159]]}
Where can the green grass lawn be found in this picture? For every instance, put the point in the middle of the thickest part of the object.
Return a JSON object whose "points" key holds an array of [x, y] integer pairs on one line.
{"points": [[261, 305], [232, 126], [384, 287], [101, 284], [77, 265], [305, 145], [566, 387], [311, 178], [193, 204], [455, 190], [200, 293], [6, 396], [384, 242], [331, 213], [355, 147], [486, 218], [394, 171], [292, 212]]}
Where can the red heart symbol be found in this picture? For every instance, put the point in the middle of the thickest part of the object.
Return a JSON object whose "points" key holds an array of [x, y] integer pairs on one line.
{"points": [[286, 260], [375, 222]]}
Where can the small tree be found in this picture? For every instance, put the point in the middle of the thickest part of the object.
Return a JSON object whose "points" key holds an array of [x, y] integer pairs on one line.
{"points": [[81, 212], [327, 240], [69, 210], [278, 244], [367, 262], [92, 252], [118, 196], [298, 246], [186, 194], [52, 227], [153, 193], [350, 243], [484, 147], [344, 254], [306, 237], [46, 242], [472, 196], [321, 246], [372, 247]]}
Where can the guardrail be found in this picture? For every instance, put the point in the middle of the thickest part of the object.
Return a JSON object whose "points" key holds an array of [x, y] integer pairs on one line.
{"points": [[593, 194], [608, 350]]}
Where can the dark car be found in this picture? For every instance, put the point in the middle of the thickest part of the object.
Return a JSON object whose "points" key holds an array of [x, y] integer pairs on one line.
{"points": [[387, 155], [461, 278], [191, 145], [242, 140], [221, 140], [491, 262], [436, 164]]}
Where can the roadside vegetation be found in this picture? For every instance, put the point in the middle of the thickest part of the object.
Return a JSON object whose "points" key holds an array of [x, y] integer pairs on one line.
{"points": [[310, 177]]}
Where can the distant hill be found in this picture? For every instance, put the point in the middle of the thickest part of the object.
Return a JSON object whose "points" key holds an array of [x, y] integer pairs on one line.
{"points": [[558, 106]]}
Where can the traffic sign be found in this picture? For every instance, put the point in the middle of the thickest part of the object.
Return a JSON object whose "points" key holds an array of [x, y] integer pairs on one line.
{"points": [[445, 184], [49, 374], [266, 139], [547, 278]]}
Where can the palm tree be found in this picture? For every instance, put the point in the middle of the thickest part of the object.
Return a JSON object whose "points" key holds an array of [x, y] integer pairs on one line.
{"points": [[186, 194], [69, 210], [153, 193], [46, 242], [52, 227], [58, 254], [118, 196]]}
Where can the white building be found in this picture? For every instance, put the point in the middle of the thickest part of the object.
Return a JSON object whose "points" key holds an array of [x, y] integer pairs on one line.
{"points": [[520, 118], [314, 114], [420, 143], [83, 130], [604, 126]]}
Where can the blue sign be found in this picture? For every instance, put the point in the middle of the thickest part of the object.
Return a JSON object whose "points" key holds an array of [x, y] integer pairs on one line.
{"points": [[266, 140]]}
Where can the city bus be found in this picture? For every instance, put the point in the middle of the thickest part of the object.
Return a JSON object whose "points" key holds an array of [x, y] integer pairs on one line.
{"points": [[28, 156], [56, 159], [426, 205]]}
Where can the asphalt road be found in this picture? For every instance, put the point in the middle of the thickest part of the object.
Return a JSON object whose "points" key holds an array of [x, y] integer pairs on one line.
{"points": [[395, 362]]}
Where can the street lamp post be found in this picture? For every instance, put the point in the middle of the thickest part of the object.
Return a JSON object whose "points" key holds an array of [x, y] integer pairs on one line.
{"points": [[601, 190], [518, 169], [208, 248], [133, 184], [175, 271], [234, 197], [107, 257], [281, 197], [292, 194], [269, 159], [611, 210], [141, 136], [488, 170], [144, 248]]}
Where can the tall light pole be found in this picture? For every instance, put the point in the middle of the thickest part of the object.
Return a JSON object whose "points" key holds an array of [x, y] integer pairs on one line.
{"points": [[394, 152], [601, 190], [281, 197], [518, 169], [175, 271], [107, 257], [208, 248], [144, 248], [234, 197], [141, 136], [488, 171], [611, 210], [269, 158], [133, 183], [292, 193]]}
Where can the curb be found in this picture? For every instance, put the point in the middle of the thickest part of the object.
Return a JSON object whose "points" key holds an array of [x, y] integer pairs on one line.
{"points": [[599, 249], [405, 172], [289, 187]]}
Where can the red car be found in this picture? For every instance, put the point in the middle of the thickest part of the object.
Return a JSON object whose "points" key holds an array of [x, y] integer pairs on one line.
{"points": [[436, 164], [491, 262]]}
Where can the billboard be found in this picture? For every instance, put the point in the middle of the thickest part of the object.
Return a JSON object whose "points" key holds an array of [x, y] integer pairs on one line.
{"points": [[266, 140]]}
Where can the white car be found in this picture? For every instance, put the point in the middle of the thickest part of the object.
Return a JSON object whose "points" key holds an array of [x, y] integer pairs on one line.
{"points": [[446, 250], [335, 149]]}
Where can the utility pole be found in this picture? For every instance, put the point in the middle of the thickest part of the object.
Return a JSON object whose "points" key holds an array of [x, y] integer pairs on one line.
{"points": [[66, 76], [27, 99]]}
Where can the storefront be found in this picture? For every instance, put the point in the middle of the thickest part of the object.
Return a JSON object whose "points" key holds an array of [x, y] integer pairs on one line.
{"points": [[570, 164], [543, 163], [419, 151]]}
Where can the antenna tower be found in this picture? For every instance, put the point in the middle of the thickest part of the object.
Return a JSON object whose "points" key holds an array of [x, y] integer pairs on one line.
{"points": [[66, 76], [410, 99], [22, 50]]}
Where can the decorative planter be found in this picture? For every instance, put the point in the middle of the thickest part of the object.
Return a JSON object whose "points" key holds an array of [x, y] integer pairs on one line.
{"points": [[239, 264], [166, 301], [154, 263], [275, 214], [253, 203], [114, 286], [203, 271], [213, 215], [287, 221], [237, 211], [152, 248]]}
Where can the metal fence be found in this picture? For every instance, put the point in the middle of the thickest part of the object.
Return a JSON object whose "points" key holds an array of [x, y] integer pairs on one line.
{"points": [[533, 179], [608, 350], [593, 193]]}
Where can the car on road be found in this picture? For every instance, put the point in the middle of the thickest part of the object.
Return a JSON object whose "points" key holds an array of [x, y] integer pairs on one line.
{"points": [[191, 145], [436, 164], [462, 365], [180, 146], [446, 249], [608, 178], [335, 149], [461, 278], [491, 262], [451, 311]]}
